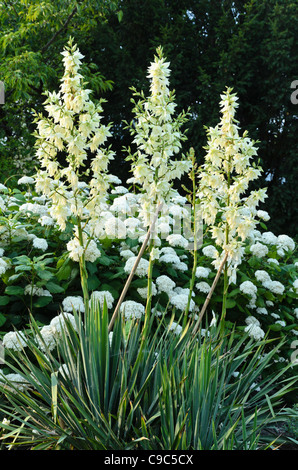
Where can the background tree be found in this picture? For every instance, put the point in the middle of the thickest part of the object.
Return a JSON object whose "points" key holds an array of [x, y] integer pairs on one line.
{"points": [[32, 36], [249, 46]]}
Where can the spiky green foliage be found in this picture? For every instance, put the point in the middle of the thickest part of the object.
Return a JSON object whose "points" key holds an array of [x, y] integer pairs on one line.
{"points": [[136, 391]]}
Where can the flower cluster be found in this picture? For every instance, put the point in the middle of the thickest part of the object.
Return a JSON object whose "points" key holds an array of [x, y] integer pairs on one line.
{"points": [[253, 328], [131, 309], [158, 138], [113, 219], [73, 127], [224, 179], [48, 335]]}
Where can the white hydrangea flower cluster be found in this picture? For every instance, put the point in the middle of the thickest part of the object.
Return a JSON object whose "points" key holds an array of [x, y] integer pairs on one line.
{"points": [[14, 340], [259, 250], [4, 265], [142, 268], [276, 287], [224, 179], [143, 291], [131, 309], [17, 380], [202, 272], [203, 287], [72, 303], [48, 334], [35, 208], [210, 251], [45, 220], [30, 289], [40, 243], [26, 180], [178, 240], [48, 338], [284, 244], [100, 297], [168, 255], [178, 296], [250, 289], [88, 248], [165, 284], [59, 322], [176, 328], [158, 137], [254, 329], [180, 301], [52, 333]]}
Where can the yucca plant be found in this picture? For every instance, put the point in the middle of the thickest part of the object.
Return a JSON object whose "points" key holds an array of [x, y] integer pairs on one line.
{"points": [[90, 395], [214, 395], [161, 391]]}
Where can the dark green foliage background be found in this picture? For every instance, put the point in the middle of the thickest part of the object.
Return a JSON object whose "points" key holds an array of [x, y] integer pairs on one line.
{"points": [[250, 46]]}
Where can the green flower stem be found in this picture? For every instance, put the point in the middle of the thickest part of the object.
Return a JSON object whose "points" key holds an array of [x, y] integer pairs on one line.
{"points": [[129, 279], [149, 291], [195, 253], [83, 270], [226, 279], [192, 281], [224, 298], [221, 267]]}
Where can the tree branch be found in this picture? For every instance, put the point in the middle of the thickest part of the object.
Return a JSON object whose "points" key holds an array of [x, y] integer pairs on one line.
{"points": [[63, 27]]}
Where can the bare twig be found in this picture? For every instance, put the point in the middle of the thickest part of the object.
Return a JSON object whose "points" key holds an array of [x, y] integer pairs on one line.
{"points": [[129, 279], [210, 294]]}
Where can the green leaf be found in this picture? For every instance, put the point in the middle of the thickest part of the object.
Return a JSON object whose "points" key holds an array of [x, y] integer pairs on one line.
{"points": [[2, 319], [92, 268], [44, 274], [23, 259], [120, 273], [120, 15], [42, 301], [234, 292], [14, 277], [105, 261], [275, 327], [93, 282], [23, 267], [139, 283], [111, 288], [269, 295], [172, 272], [54, 389], [54, 288], [264, 226], [230, 303], [4, 300], [14, 290], [64, 272]]}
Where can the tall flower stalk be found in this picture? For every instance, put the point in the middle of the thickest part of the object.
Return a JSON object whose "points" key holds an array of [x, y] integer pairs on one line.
{"points": [[157, 136], [227, 208], [195, 222], [72, 130]]}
